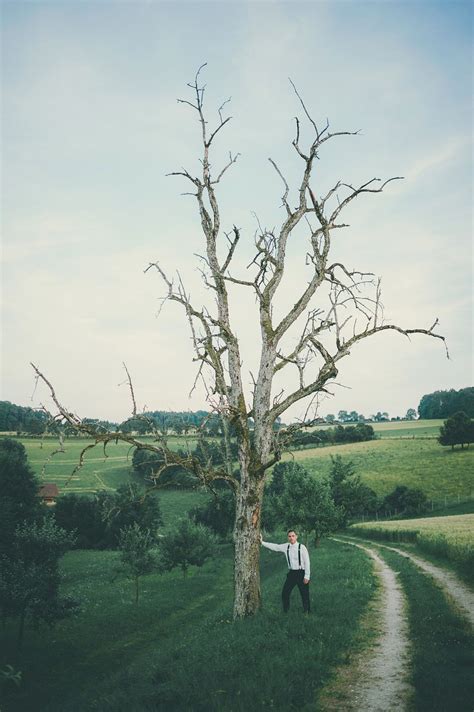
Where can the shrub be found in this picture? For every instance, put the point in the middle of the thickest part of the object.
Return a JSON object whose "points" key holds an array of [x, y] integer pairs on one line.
{"points": [[188, 545]]}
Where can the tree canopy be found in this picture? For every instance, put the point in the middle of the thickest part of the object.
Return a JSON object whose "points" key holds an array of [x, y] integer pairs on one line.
{"points": [[443, 404], [457, 430]]}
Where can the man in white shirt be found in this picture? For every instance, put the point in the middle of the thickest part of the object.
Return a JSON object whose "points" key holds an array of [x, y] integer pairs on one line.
{"points": [[299, 572]]}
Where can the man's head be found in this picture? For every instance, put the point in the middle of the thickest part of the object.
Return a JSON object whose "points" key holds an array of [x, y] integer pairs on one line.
{"points": [[292, 536]]}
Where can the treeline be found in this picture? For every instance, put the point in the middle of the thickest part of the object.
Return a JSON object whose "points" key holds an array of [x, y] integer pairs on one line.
{"points": [[20, 419], [178, 422], [443, 404], [339, 434], [16, 418]]}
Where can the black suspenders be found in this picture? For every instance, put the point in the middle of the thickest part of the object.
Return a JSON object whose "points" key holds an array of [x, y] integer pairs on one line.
{"points": [[288, 556]]}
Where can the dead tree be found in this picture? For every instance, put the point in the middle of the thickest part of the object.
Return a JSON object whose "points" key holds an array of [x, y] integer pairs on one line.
{"points": [[353, 312]]}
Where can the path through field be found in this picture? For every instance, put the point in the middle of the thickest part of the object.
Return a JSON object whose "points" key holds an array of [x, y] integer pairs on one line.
{"points": [[449, 582], [378, 681]]}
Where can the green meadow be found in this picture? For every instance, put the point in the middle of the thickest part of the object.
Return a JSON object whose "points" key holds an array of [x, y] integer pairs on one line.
{"points": [[404, 453], [408, 429], [99, 471], [383, 464], [179, 650]]}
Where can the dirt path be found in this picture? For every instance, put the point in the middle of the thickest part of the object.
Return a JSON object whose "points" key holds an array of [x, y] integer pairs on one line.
{"points": [[459, 593], [378, 679]]}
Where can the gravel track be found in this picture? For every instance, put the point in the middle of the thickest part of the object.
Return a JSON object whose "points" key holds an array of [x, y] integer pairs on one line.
{"points": [[460, 594], [380, 679]]}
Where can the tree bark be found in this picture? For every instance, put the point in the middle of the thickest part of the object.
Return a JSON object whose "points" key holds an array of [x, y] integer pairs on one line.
{"points": [[247, 544]]}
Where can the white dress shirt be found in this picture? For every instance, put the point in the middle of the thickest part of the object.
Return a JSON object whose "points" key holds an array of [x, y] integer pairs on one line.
{"points": [[293, 554]]}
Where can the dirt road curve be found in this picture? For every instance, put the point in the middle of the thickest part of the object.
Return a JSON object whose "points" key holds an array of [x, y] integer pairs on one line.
{"points": [[449, 582], [380, 682]]}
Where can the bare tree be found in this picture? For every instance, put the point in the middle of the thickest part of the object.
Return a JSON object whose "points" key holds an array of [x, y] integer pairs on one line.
{"points": [[354, 312]]}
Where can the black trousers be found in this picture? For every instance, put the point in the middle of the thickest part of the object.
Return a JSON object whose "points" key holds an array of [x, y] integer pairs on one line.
{"points": [[295, 578]]}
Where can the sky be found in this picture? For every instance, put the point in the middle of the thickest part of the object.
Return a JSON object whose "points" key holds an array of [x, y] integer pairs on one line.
{"points": [[91, 126]]}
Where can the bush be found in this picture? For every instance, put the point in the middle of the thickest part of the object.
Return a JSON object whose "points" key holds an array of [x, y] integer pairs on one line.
{"points": [[218, 514], [188, 545], [83, 515], [19, 489], [405, 501], [348, 492], [305, 503], [29, 577], [146, 463], [97, 521]]}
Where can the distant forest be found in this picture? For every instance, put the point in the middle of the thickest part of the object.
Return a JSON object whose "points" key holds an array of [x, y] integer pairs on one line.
{"points": [[20, 419]]}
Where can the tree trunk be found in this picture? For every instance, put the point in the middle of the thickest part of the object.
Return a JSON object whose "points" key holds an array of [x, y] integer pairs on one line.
{"points": [[247, 544]]}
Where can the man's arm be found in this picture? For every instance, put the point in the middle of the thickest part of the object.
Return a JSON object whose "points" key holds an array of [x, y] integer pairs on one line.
{"points": [[273, 547], [306, 563]]}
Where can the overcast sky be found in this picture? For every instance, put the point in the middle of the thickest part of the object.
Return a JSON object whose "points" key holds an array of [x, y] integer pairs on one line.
{"points": [[91, 125]]}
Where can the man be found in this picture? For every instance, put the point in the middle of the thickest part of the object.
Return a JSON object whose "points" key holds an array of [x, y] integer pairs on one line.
{"points": [[297, 558]]}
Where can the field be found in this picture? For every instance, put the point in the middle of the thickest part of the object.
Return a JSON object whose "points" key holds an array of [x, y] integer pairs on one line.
{"points": [[177, 650], [98, 472], [401, 428], [383, 464], [408, 429], [404, 454], [451, 536]]}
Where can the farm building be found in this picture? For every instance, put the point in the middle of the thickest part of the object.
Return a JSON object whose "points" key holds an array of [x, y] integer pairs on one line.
{"points": [[49, 493]]}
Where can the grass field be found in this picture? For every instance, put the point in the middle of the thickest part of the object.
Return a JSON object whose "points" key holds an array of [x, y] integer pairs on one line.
{"points": [[444, 475], [408, 429], [384, 464], [98, 472], [178, 649], [400, 428], [449, 537]]}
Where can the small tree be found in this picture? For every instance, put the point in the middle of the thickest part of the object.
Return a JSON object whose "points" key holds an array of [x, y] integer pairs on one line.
{"points": [[218, 514], [135, 544], [277, 484], [30, 579], [305, 503], [347, 490], [410, 414], [19, 489], [188, 545], [127, 506], [405, 501], [84, 516], [457, 430]]}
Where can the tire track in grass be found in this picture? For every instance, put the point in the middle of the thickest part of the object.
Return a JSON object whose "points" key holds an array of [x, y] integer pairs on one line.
{"points": [[379, 679], [451, 585]]}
